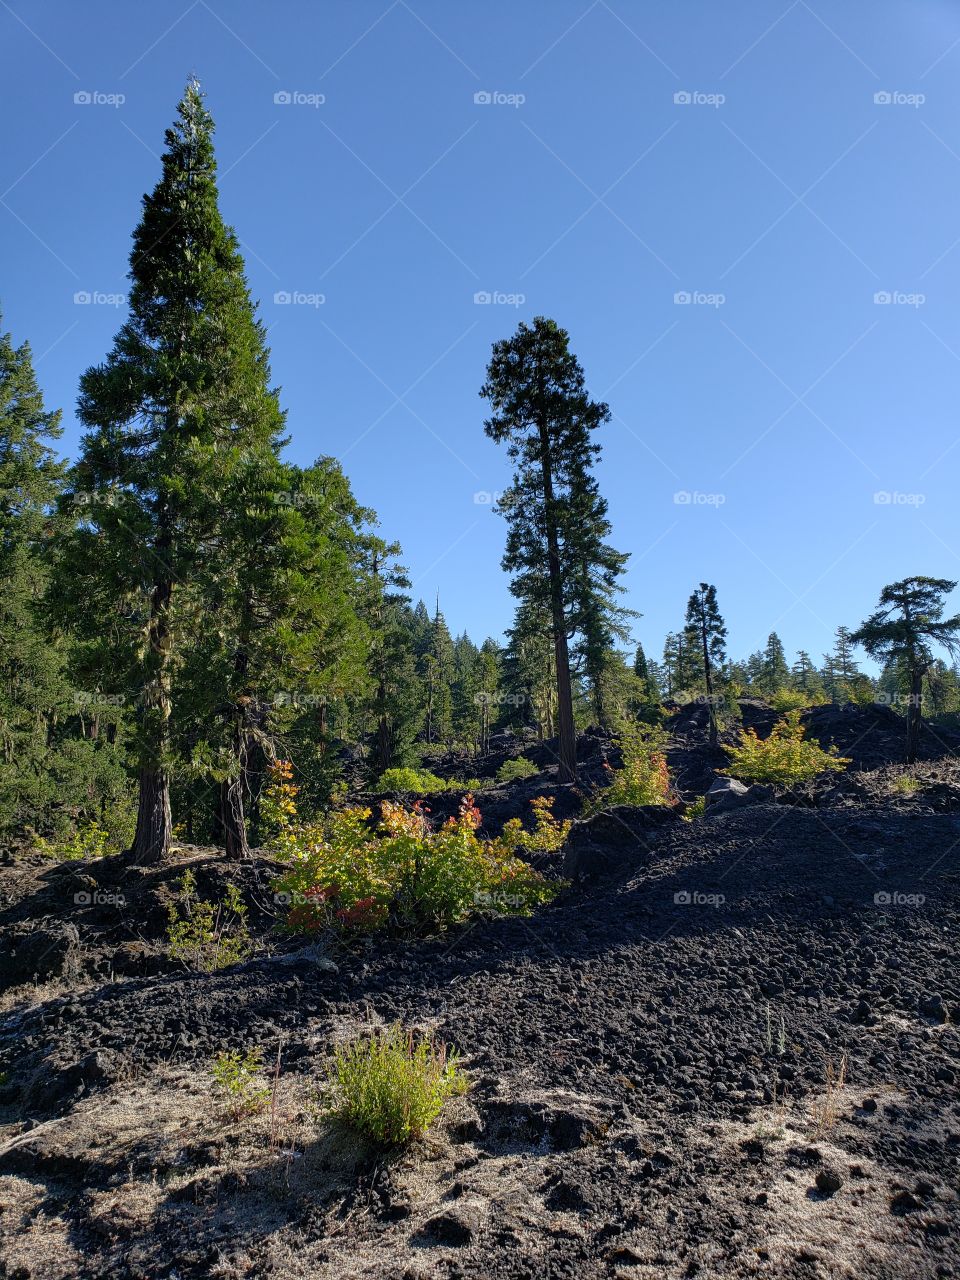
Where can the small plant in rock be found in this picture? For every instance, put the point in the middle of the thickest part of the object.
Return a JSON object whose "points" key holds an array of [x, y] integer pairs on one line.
{"points": [[547, 836], [776, 1038], [906, 785], [205, 935], [695, 809], [392, 1084], [515, 770], [644, 778], [825, 1111], [238, 1077], [786, 757]]}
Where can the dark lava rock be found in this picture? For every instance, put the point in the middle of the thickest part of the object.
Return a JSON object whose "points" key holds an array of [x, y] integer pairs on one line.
{"points": [[828, 1181], [613, 840], [455, 1227]]}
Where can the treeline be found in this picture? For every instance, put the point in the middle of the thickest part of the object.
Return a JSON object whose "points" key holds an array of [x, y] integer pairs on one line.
{"points": [[182, 606]]}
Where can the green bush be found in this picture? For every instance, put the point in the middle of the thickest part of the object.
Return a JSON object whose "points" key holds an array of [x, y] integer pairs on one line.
{"points": [[418, 782], [206, 936], [644, 778], [238, 1077], [345, 873], [392, 1084], [785, 757], [513, 770]]}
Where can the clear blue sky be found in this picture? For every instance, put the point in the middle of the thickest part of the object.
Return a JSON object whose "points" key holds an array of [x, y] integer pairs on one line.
{"points": [[587, 189]]}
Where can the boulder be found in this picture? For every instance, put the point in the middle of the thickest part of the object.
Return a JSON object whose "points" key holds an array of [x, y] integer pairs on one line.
{"points": [[613, 840]]}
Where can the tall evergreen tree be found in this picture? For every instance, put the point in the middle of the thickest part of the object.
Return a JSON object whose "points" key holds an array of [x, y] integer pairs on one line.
{"points": [[908, 621], [775, 674], [703, 614], [806, 678], [32, 681], [557, 523], [181, 402]]}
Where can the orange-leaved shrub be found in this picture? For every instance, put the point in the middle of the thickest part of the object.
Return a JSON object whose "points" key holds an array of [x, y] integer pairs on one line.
{"points": [[347, 873]]}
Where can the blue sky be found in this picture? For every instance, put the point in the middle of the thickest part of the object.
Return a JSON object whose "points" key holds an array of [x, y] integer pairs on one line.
{"points": [[786, 167]]}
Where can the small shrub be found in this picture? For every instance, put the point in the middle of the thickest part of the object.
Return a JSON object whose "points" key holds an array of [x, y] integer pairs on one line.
{"points": [[92, 838], [644, 778], [695, 809], [418, 782], [786, 757], [344, 873], [514, 770], [238, 1077], [906, 786], [789, 700], [206, 936], [89, 840], [392, 1085]]}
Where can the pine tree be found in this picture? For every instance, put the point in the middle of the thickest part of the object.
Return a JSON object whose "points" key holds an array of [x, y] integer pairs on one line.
{"points": [[181, 402], [557, 523], [32, 682], [703, 614], [907, 622], [806, 678], [774, 674]]}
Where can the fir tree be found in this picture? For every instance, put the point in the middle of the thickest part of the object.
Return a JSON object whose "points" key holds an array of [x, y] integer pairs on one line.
{"points": [[181, 402], [557, 523], [907, 622], [703, 614]]}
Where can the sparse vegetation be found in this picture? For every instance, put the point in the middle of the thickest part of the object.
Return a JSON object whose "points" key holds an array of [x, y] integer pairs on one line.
{"points": [[786, 757], [695, 809], [644, 778], [205, 935], [514, 770], [238, 1077], [392, 1084]]}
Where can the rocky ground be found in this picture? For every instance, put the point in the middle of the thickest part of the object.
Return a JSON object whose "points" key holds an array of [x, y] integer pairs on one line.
{"points": [[730, 1048]]}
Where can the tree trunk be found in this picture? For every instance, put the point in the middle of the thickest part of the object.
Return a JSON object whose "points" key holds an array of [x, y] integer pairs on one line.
{"points": [[151, 841], [154, 827], [711, 709], [567, 771], [232, 819], [914, 718]]}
